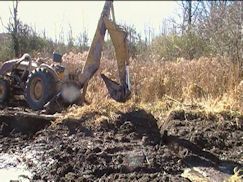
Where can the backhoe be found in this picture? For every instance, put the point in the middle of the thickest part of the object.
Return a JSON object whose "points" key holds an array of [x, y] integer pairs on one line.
{"points": [[45, 87]]}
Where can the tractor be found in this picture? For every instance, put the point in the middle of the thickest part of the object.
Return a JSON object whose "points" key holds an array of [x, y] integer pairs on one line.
{"points": [[36, 81], [44, 86]]}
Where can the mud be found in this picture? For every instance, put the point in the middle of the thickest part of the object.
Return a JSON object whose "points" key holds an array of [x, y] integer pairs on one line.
{"points": [[129, 147]]}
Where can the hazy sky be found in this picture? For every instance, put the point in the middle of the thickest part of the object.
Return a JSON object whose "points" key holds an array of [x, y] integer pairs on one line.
{"points": [[56, 17]]}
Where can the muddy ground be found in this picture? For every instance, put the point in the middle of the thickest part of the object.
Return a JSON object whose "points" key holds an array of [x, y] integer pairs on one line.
{"points": [[132, 146]]}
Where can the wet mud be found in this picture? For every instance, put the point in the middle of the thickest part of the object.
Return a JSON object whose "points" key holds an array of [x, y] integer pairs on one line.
{"points": [[132, 146]]}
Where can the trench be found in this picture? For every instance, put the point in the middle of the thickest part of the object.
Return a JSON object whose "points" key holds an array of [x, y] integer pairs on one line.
{"points": [[27, 125]]}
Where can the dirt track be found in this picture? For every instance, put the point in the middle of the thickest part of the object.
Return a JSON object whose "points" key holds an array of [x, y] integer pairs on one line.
{"points": [[128, 148]]}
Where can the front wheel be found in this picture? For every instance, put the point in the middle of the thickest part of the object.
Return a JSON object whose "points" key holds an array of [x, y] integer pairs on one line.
{"points": [[40, 88]]}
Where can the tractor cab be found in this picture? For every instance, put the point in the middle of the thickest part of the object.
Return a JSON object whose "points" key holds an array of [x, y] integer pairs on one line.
{"points": [[57, 58]]}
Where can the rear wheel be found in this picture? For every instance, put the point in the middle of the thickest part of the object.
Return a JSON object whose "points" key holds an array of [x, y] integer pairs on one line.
{"points": [[40, 88], [4, 91]]}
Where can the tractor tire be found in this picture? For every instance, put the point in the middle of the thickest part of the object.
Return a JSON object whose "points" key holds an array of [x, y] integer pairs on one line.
{"points": [[40, 88], [4, 91]]}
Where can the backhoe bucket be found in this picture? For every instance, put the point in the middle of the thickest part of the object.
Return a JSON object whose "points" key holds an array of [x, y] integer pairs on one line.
{"points": [[119, 92]]}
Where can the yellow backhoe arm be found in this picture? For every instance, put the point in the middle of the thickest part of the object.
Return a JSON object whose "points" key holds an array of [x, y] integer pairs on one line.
{"points": [[118, 91], [121, 91]]}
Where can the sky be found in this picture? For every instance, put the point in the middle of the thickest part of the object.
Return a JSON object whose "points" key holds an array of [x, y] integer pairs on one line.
{"points": [[56, 17]]}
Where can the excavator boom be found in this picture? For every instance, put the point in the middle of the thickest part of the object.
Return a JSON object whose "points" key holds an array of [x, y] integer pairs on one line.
{"points": [[118, 91]]}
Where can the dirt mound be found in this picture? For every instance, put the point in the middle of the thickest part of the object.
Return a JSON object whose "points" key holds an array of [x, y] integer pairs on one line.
{"points": [[128, 147], [222, 137], [204, 141]]}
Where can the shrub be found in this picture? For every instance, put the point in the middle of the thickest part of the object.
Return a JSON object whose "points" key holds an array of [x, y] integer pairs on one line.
{"points": [[188, 46]]}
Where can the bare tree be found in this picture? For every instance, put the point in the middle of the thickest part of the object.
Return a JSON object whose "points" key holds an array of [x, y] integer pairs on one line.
{"points": [[189, 13], [70, 38], [83, 41], [13, 27], [220, 24], [191, 10]]}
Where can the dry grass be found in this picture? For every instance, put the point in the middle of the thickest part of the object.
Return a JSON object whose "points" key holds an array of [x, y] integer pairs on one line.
{"points": [[213, 84], [237, 176]]}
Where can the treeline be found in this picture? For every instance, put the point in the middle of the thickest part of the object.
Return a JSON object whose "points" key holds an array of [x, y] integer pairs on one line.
{"points": [[207, 28], [22, 38], [33, 43]]}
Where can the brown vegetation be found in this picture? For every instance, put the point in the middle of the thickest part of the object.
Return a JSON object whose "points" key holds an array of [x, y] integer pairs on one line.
{"points": [[214, 84]]}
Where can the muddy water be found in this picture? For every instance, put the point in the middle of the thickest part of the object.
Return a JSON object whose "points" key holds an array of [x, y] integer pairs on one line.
{"points": [[13, 168], [129, 148]]}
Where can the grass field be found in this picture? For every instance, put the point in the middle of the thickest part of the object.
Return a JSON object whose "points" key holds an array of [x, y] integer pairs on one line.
{"points": [[212, 85]]}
